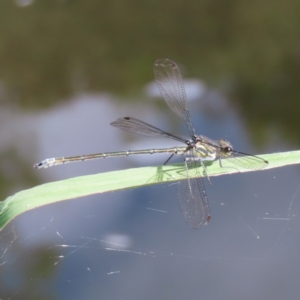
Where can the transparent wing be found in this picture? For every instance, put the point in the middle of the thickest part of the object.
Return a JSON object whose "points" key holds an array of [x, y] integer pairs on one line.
{"points": [[192, 196], [171, 87], [247, 161], [140, 127]]}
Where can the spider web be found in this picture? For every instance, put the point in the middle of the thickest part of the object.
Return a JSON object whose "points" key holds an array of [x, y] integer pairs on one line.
{"points": [[135, 244], [143, 242]]}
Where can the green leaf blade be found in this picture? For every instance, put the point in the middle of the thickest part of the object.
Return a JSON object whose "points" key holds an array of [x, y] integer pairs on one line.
{"points": [[117, 180]]}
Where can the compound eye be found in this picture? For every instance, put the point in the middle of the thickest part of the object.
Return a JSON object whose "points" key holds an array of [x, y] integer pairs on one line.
{"points": [[228, 149]]}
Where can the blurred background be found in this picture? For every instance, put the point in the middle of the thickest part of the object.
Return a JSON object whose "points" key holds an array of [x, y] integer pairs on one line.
{"points": [[68, 68]]}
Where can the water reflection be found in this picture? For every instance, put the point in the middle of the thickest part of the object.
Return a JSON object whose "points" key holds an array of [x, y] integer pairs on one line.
{"points": [[101, 234]]}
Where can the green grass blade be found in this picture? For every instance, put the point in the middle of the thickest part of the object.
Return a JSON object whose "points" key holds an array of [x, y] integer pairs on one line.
{"points": [[111, 181]]}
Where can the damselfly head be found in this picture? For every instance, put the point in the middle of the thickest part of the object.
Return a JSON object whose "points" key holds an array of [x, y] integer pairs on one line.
{"points": [[225, 149]]}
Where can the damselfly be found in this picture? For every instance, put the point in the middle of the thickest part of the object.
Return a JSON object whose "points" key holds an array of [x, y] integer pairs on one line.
{"points": [[198, 149]]}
